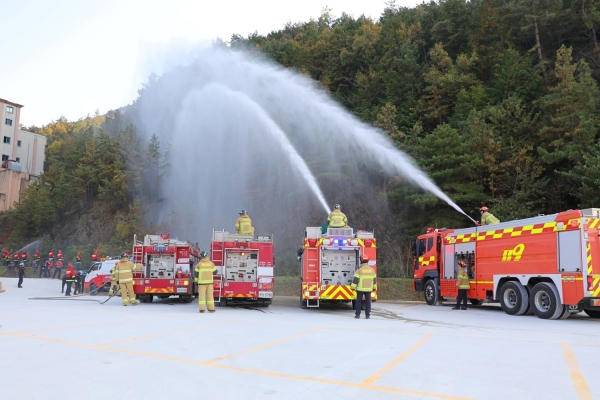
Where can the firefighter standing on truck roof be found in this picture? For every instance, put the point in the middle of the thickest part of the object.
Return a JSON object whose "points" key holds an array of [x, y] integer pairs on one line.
{"points": [[487, 218], [462, 283], [364, 282], [205, 270], [124, 271], [243, 225], [337, 219]]}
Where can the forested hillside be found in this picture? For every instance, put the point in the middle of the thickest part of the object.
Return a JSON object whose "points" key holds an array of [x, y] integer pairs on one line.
{"points": [[496, 99]]}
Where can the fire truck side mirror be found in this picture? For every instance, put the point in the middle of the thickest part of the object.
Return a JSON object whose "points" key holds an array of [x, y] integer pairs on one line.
{"points": [[413, 247]]}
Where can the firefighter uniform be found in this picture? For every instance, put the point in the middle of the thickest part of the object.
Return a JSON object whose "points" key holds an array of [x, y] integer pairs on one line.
{"points": [[364, 282], [69, 279], [124, 272], [114, 285], [205, 270], [337, 219], [243, 225], [462, 283], [489, 219]]}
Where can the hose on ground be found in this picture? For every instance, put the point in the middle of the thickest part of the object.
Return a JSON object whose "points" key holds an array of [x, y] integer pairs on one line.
{"points": [[75, 297]]}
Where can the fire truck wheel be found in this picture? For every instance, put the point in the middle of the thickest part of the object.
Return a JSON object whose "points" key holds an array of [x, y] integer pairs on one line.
{"points": [[513, 298], [149, 298], [93, 289], [475, 302], [431, 291], [303, 304], [545, 301], [592, 313], [223, 302], [565, 314]]}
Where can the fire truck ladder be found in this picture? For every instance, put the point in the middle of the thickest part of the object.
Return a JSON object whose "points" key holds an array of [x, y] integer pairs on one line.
{"points": [[222, 257], [314, 293]]}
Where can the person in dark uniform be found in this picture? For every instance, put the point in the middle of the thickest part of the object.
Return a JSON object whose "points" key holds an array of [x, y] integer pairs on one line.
{"points": [[21, 274], [78, 283]]}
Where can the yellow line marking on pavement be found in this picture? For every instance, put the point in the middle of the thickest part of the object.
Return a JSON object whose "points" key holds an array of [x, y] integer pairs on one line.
{"points": [[263, 346], [245, 370], [389, 366], [581, 387], [165, 333]]}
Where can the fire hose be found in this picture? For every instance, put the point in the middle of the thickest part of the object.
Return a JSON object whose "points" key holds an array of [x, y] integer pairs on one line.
{"points": [[76, 297]]}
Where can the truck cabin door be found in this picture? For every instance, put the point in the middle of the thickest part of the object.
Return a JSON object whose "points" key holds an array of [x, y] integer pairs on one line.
{"points": [[419, 248]]}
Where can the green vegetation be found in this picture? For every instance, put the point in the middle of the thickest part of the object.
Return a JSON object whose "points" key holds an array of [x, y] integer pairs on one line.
{"points": [[496, 99]]}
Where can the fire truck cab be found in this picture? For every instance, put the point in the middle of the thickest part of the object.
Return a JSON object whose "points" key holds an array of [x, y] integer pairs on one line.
{"points": [[329, 262], [244, 268], [167, 268], [547, 265]]}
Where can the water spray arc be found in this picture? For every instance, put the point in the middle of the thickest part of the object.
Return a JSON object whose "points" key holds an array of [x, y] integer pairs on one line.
{"points": [[281, 138]]}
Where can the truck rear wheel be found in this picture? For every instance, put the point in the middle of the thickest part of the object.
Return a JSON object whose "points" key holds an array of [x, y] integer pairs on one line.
{"points": [[592, 313], [431, 292], [545, 301], [514, 298]]}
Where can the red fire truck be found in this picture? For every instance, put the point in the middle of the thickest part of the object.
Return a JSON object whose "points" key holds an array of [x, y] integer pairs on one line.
{"points": [[329, 262], [168, 268], [547, 265], [244, 268]]}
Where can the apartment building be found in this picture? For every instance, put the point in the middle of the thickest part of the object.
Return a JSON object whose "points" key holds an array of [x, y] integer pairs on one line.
{"points": [[24, 153]]}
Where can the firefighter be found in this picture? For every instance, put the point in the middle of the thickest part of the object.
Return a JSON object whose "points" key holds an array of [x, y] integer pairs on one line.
{"points": [[95, 255], [21, 274], [78, 283], [114, 285], [24, 256], [337, 219], [462, 283], [364, 282], [6, 255], [69, 278], [37, 259], [243, 225], [58, 268], [205, 271], [487, 218], [124, 272], [78, 261], [51, 254]]}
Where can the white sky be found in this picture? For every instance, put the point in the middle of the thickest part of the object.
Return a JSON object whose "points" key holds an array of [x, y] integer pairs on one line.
{"points": [[73, 57]]}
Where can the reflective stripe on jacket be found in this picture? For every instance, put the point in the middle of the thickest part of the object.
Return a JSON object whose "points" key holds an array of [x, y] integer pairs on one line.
{"points": [[462, 281], [124, 270], [489, 219], [365, 279], [205, 270], [113, 275], [243, 225], [337, 219]]}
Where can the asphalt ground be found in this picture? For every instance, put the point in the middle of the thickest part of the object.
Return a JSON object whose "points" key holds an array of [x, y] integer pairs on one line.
{"points": [[58, 349]]}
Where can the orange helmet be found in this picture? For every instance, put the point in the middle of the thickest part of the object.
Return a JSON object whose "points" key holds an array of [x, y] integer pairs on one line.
{"points": [[484, 208], [461, 263], [364, 259]]}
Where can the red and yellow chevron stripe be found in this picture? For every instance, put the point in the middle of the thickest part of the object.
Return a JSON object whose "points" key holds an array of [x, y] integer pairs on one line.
{"points": [[310, 292], [526, 230], [337, 292], [159, 290], [229, 295]]}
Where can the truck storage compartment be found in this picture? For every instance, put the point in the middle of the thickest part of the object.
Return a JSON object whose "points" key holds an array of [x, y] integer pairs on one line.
{"points": [[161, 266], [338, 266], [241, 266]]}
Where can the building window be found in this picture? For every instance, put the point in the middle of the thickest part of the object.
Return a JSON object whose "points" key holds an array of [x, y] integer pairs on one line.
{"points": [[4, 157], [10, 109], [7, 139], [18, 159], [8, 122], [18, 143]]}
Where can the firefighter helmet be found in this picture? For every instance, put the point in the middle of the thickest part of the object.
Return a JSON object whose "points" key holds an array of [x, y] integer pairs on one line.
{"points": [[364, 259], [461, 263], [242, 212], [484, 208], [203, 254], [123, 255], [337, 207]]}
